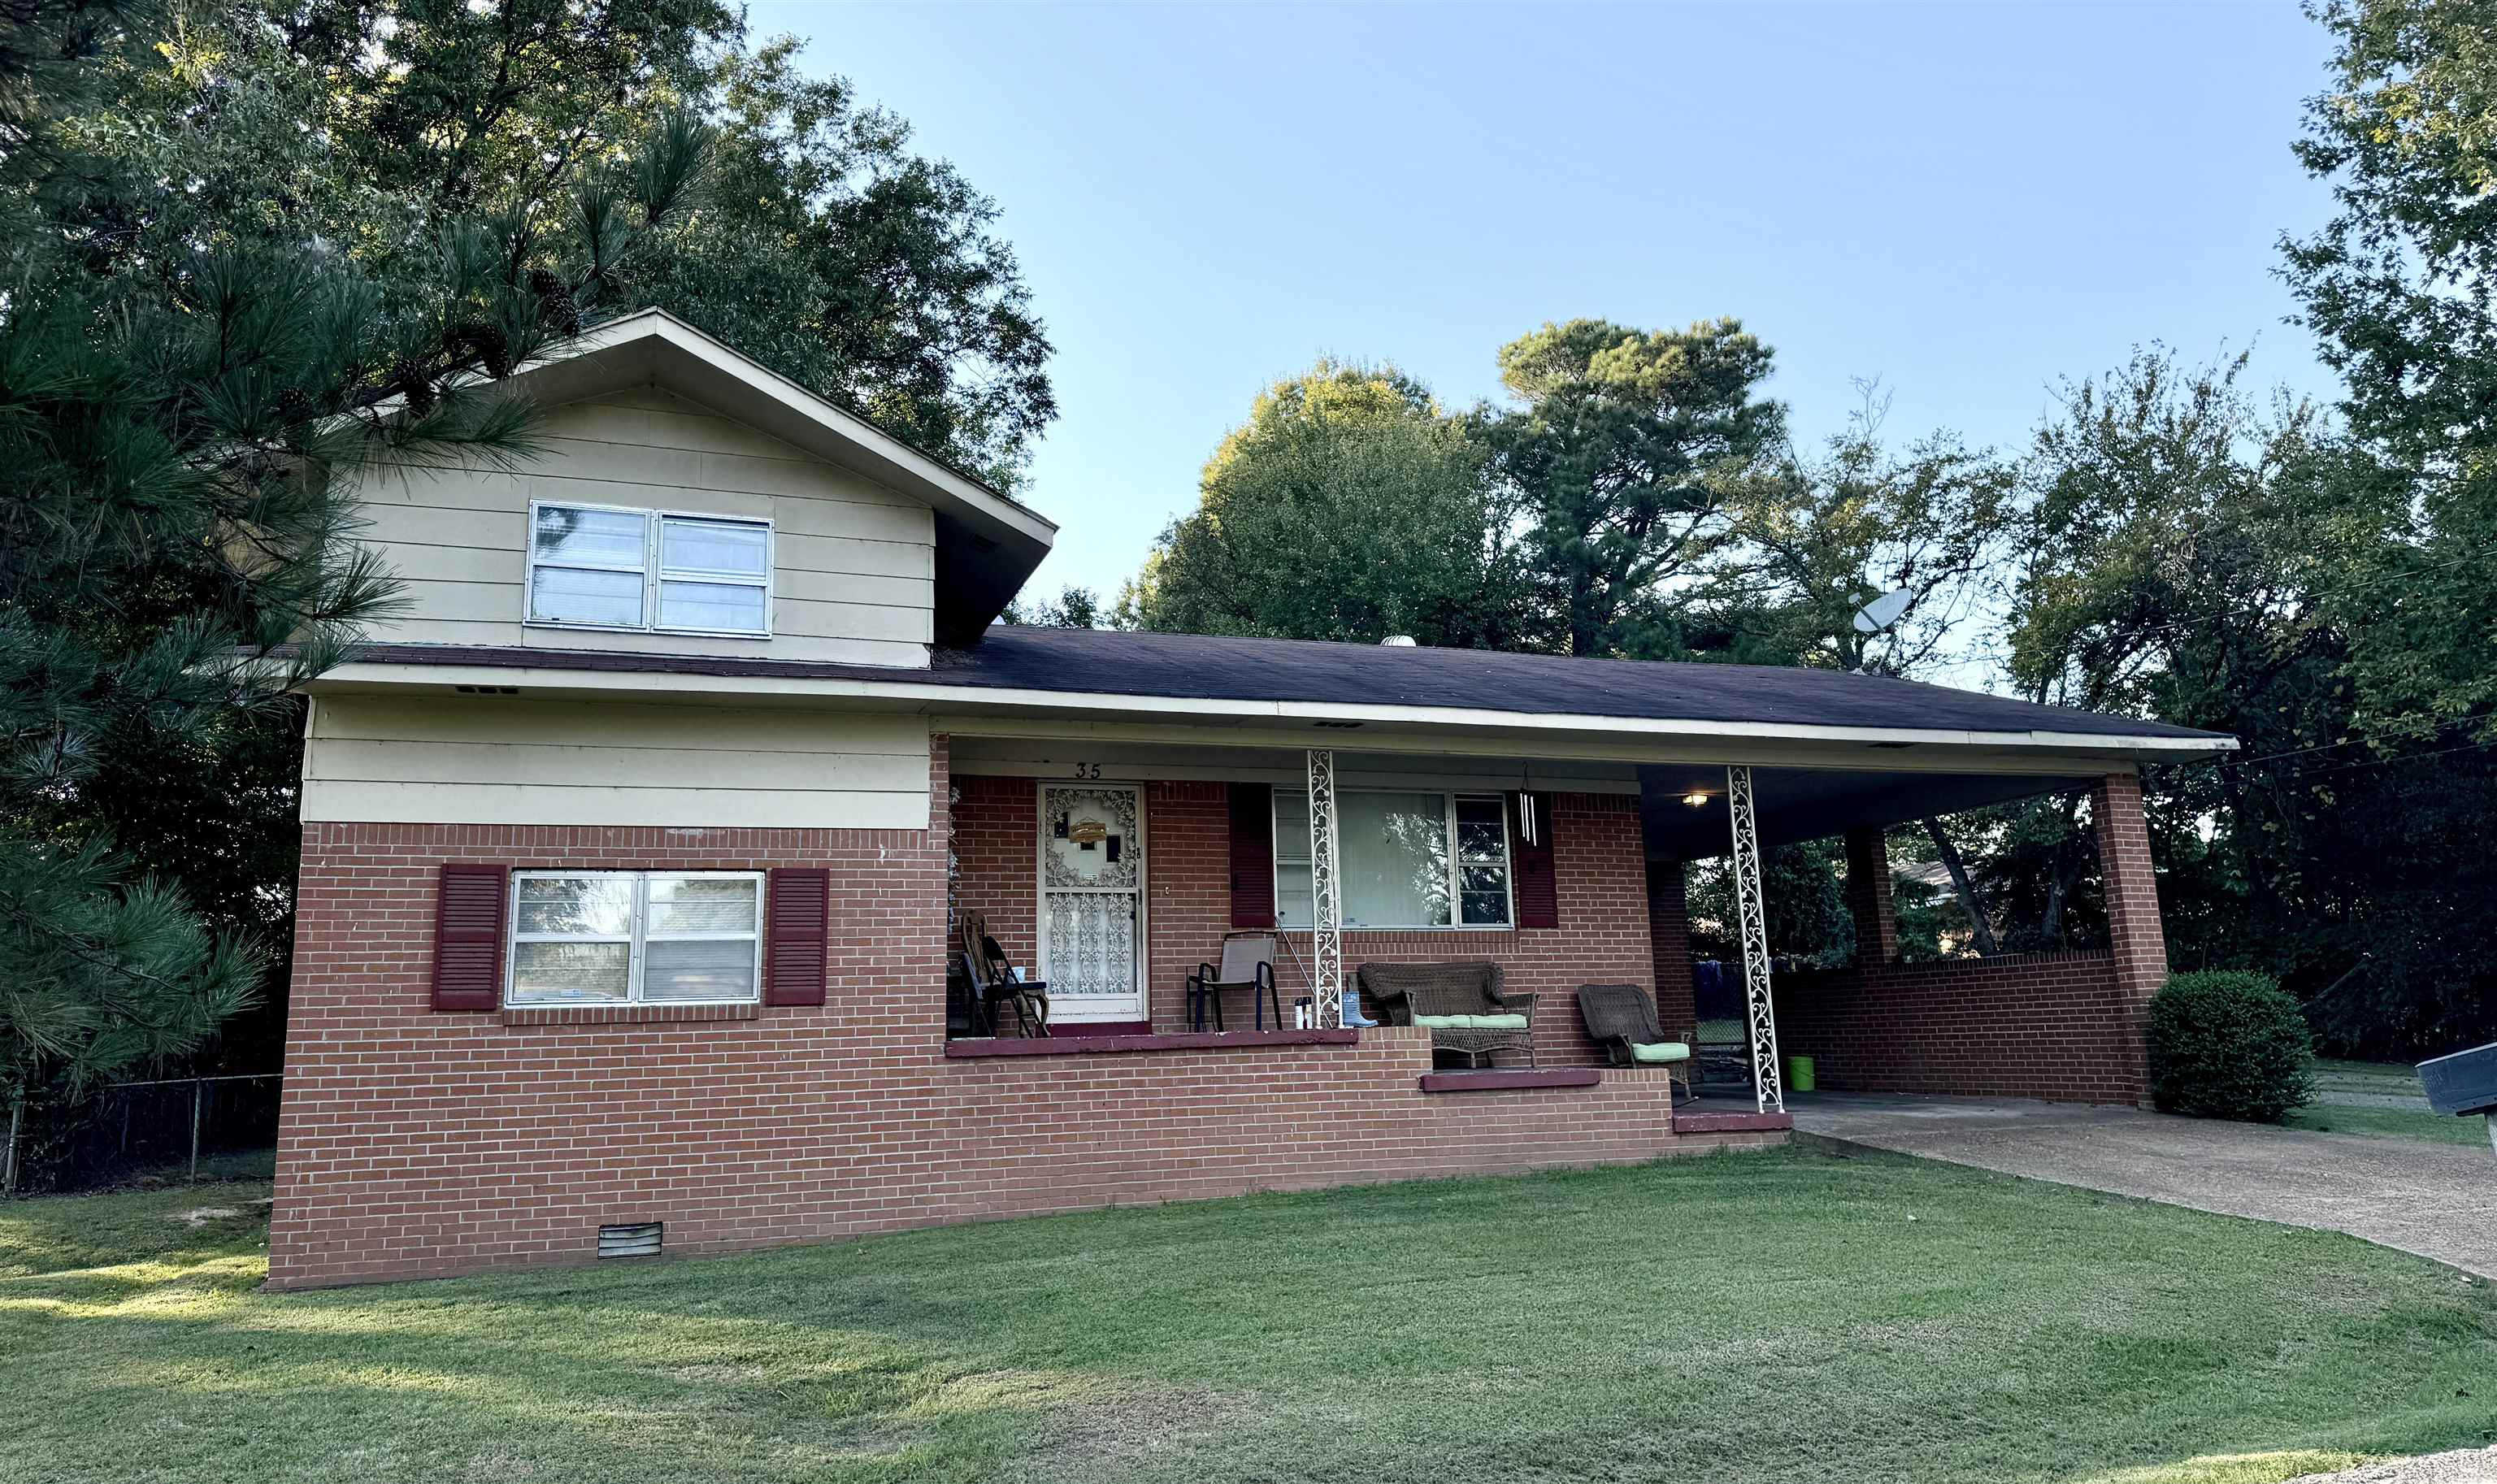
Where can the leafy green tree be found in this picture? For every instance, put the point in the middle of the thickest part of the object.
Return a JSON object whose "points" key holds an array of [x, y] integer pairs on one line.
{"points": [[1618, 450], [1076, 607], [182, 427], [1809, 541], [264, 223], [2190, 558], [1348, 507], [828, 250], [2399, 287], [1806, 914]]}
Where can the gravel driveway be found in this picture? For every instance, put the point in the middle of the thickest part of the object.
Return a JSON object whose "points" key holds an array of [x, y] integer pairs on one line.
{"points": [[2436, 1200]]}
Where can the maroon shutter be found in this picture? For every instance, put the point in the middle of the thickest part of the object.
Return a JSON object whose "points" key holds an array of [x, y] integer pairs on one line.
{"points": [[1539, 895], [468, 936], [799, 925], [1253, 854]]}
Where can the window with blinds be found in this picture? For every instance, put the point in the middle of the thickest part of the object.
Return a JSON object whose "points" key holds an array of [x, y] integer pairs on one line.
{"points": [[636, 938], [1404, 860], [606, 567]]}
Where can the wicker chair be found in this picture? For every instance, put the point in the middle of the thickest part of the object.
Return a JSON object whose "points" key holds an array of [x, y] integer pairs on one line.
{"points": [[1416, 994], [1622, 1017]]}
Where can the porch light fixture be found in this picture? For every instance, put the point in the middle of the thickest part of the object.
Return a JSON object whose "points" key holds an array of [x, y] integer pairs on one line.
{"points": [[1695, 799]]}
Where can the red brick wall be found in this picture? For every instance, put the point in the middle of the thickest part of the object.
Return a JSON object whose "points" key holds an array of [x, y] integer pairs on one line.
{"points": [[1668, 923], [1068, 1134], [2047, 1026], [2134, 933], [1598, 859], [1187, 898], [1868, 896], [411, 1140], [2067, 1027], [996, 852], [414, 1143]]}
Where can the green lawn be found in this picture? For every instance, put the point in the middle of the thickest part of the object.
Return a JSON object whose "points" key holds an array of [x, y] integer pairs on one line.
{"points": [[2389, 1123], [2352, 1098], [1779, 1316]]}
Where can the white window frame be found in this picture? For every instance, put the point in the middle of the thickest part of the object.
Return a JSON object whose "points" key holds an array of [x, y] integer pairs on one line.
{"points": [[638, 939], [1457, 863], [653, 572]]}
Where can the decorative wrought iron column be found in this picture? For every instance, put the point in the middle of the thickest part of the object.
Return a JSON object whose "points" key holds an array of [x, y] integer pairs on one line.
{"points": [[1326, 898], [1768, 1081]]}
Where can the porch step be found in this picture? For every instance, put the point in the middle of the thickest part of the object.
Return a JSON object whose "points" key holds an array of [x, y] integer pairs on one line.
{"points": [[1686, 1122], [1506, 1081]]}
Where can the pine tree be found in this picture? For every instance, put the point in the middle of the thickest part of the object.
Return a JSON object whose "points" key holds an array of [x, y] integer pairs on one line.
{"points": [[181, 444]]}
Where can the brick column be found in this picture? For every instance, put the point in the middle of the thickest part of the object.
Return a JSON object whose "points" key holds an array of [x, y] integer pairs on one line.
{"points": [[2134, 933], [1868, 896], [1668, 927]]}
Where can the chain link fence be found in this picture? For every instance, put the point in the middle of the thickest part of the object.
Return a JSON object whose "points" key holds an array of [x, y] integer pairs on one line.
{"points": [[174, 1128]]}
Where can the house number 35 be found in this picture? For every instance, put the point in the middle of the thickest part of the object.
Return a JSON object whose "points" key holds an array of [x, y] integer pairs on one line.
{"points": [[1087, 769]]}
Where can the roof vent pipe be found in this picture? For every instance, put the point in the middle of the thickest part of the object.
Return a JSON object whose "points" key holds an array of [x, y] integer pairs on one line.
{"points": [[1398, 642]]}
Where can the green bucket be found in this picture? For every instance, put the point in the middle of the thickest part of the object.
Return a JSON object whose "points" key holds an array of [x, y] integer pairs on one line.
{"points": [[1799, 1074]]}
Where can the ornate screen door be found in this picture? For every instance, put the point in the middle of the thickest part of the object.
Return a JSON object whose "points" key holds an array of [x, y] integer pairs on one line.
{"points": [[1092, 901]]}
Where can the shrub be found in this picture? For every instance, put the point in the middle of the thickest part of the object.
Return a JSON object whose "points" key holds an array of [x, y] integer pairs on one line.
{"points": [[2230, 1044]]}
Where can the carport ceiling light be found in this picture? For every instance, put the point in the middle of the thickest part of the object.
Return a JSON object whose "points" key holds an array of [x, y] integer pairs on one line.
{"points": [[1694, 798]]}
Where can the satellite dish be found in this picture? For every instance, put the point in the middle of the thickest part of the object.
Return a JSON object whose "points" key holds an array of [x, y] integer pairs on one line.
{"points": [[1883, 612]]}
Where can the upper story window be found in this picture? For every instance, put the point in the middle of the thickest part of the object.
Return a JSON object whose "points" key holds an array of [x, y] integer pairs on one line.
{"points": [[636, 938], [1404, 860], [606, 567]]}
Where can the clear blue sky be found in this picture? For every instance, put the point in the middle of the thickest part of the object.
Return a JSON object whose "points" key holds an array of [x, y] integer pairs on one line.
{"points": [[1967, 202]]}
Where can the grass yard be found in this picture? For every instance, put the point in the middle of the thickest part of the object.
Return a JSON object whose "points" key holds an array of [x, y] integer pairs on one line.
{"points": [[1779, 1316], [2388, 1124], [2381, 1099]]}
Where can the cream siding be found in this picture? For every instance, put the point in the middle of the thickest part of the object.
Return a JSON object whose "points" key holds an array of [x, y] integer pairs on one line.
{"points": [[853, 563], [478, 760]]}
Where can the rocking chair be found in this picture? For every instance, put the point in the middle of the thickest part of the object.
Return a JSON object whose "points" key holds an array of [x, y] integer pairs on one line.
{"points": [[994, 984]]}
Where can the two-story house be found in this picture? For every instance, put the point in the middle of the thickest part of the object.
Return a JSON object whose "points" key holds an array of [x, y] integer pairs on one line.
{"points": [[635, 850]]}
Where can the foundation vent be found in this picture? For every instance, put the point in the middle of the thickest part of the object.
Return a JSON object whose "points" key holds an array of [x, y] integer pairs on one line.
{"points": [[640, 1239]]}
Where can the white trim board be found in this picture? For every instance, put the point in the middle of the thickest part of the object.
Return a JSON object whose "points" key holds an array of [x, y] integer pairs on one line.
{"points": [[970, 711]]}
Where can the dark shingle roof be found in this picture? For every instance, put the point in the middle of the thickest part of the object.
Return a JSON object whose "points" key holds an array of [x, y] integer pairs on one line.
{"points": [[1208, 667], [1205, 666]]}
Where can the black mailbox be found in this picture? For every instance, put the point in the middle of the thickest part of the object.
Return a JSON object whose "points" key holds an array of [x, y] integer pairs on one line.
{"points": [[2462, 1082]]}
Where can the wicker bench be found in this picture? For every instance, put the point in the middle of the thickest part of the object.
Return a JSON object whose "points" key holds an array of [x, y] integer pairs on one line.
{"points": [[1463, 1004]]}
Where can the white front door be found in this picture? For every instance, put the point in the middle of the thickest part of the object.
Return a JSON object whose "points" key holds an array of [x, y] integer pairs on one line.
{"points": [[1092, 900]]}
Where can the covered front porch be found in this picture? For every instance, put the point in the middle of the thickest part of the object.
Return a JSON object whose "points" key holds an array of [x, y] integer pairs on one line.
{"points": [[1114, 868]]}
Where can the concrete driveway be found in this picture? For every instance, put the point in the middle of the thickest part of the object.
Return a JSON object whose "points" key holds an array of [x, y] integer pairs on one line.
{"points": [[2436, 1200]]}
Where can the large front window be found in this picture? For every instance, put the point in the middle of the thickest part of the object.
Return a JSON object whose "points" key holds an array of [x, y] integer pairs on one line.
{"points": [[598, 566], [636, 938], [1406, 860]]}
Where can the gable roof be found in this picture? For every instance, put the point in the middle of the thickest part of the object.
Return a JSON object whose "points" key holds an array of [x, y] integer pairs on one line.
{"points": [[987, 543]]}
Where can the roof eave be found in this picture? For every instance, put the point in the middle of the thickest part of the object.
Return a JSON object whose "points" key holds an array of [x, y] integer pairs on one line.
{"points": [[1002, 711]]}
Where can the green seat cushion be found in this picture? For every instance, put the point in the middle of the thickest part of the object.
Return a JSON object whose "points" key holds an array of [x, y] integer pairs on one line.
{"points": [[1661, 1051], [1471, 1022]]}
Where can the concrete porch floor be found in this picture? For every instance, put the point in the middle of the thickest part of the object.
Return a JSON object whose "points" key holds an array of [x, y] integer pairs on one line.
{"points": [[2438, 1201]]}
